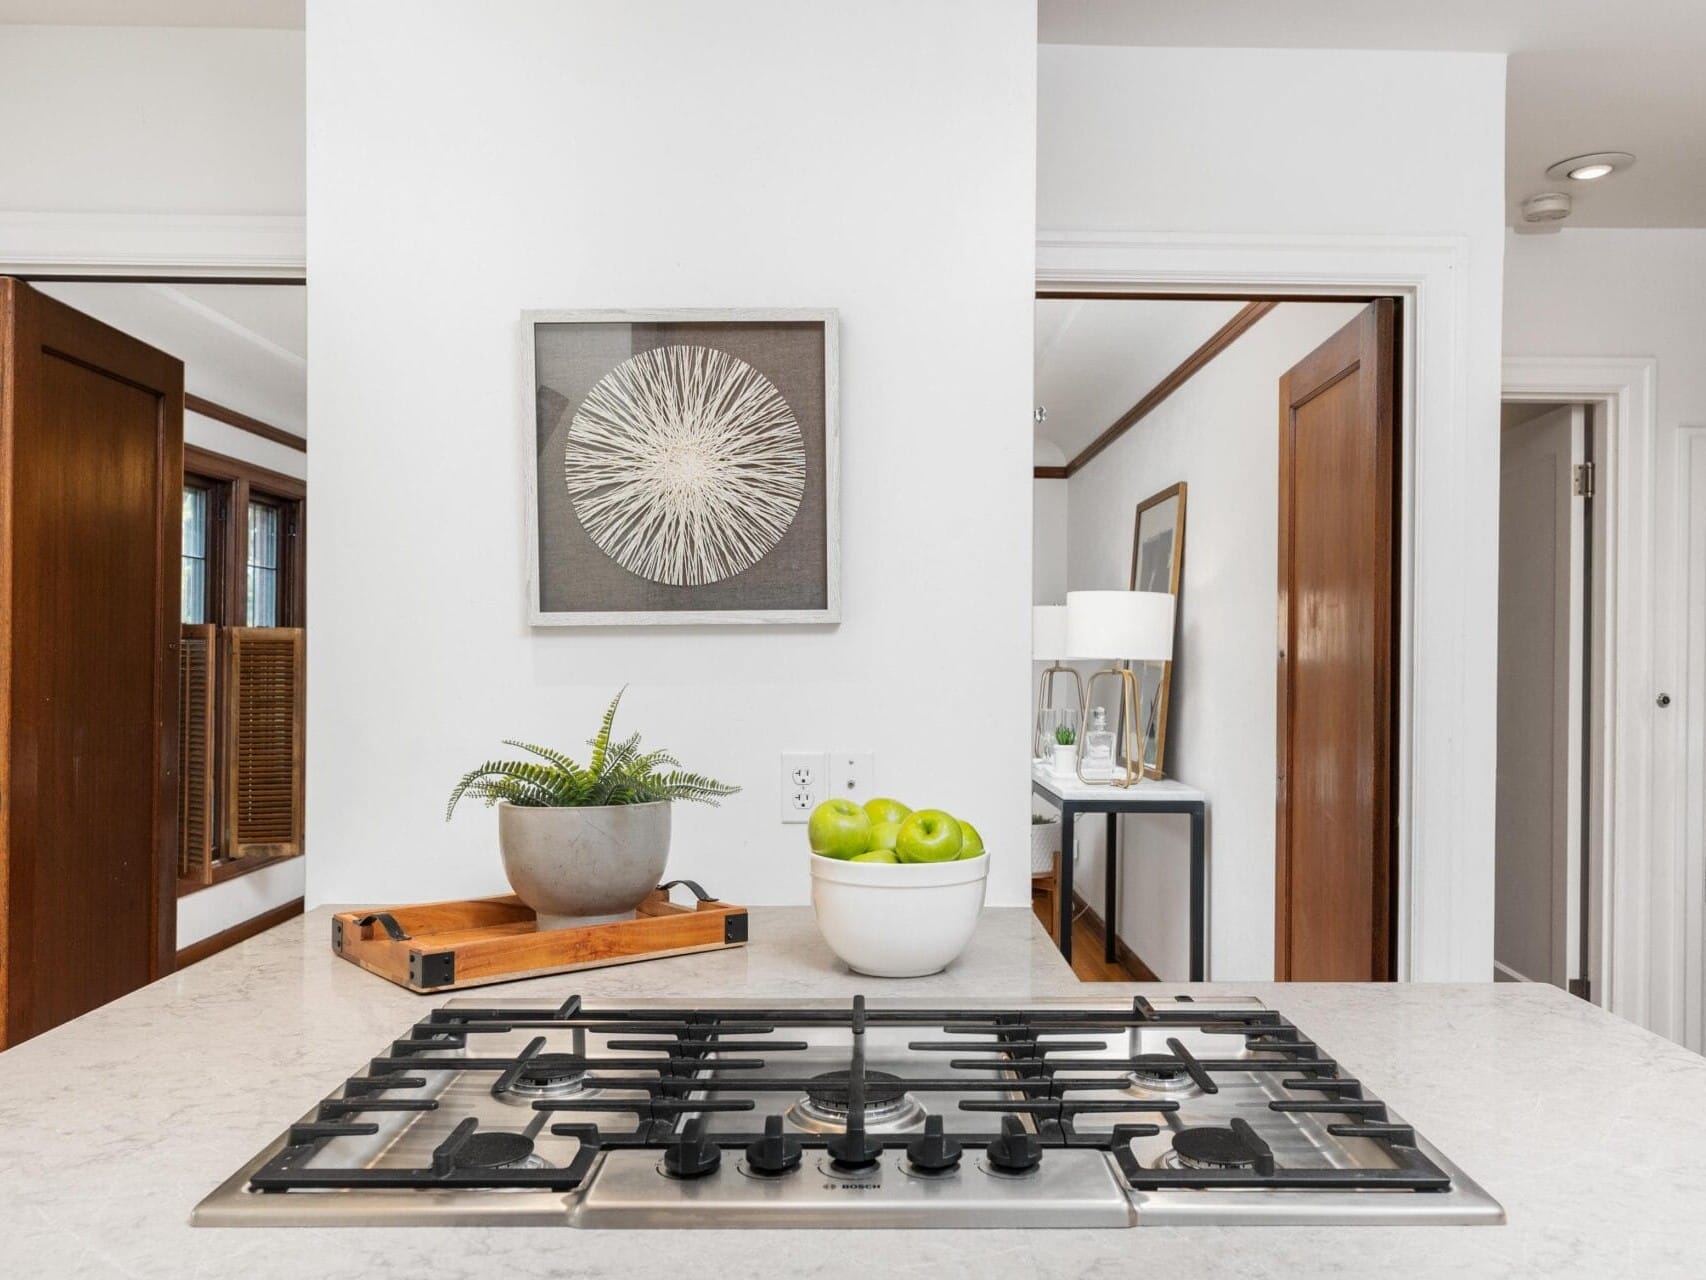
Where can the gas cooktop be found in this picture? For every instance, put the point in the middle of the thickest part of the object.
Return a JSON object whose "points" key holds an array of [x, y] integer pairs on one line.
{"points": [[869, 1113]]}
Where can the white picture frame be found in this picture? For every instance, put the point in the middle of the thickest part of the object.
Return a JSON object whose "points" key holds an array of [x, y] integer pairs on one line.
{"points": [[830, 612]]}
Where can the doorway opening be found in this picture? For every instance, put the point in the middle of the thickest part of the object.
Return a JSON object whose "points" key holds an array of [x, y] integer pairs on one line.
{"points": [[1279, 418], [1550, 848], [233, 831]]}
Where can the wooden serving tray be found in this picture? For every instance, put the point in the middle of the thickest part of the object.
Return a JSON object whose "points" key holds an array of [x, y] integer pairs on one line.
{"points": [[441, 946]]}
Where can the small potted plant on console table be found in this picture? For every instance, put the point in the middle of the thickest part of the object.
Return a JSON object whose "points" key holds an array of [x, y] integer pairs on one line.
{"points": [[1065, 761]]}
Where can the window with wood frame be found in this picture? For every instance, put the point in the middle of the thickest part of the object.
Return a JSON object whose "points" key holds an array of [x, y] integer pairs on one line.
{"points": [[240, 733]]}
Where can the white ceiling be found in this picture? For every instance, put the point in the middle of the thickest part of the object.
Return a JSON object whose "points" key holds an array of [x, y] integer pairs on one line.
{"points": [[1096, 358], [154, 13], [1584, 75], [243, 346]]}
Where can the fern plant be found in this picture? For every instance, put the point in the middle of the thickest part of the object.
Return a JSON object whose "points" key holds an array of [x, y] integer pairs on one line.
{"points": [[615, 773]]}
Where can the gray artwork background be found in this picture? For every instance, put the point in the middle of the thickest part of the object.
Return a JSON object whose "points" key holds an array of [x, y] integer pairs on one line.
{"points": [[574, 575]]}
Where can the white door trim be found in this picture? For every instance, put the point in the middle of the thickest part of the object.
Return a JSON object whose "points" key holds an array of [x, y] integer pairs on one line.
{"points": [[1685, 721], [153, 244], [1448, 582], [1638, 968]]}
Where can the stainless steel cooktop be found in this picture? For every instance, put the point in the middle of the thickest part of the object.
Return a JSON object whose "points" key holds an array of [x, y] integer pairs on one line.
{"points": [[826, 1114]]}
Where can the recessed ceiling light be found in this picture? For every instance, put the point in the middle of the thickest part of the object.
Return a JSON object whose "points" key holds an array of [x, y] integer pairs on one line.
{"points": [[1589, 168]]}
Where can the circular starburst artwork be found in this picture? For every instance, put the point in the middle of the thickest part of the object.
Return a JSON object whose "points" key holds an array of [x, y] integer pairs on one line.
{"points": [[685, 465]]}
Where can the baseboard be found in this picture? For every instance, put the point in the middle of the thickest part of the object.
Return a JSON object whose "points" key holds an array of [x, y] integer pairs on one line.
{"points": [[198, 951], [1128, 959]]}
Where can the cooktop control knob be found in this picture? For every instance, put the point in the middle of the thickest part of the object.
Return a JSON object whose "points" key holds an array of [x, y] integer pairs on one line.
{"points": [[692, 1155], [934, 1152], [1015, 1151], [853, 1150], [775, 1152]]}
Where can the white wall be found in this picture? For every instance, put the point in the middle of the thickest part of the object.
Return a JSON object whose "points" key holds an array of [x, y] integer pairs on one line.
{"points": [[873, 158], [1048, 541], [1217, 434], [1339, 144], [1643, 293], [1048, 562], [151, 120]]}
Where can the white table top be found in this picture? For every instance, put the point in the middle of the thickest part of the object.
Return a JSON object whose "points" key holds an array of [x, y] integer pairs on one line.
{"points": [[1147, 790]]}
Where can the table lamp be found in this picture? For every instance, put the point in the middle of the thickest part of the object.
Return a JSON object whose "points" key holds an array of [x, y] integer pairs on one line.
{"points": [[1048, 644], [1118, 626]]}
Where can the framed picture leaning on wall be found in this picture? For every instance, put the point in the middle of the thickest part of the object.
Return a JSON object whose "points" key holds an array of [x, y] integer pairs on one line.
{"points": [[682, 467], [1158, 564]]}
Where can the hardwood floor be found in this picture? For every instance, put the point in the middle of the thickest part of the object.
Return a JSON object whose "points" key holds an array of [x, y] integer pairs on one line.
{"points": [[1087, 960]]}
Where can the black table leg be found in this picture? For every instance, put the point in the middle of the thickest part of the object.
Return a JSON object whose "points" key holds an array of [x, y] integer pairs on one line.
{"points": [[1199, 921], [1064, 889], [1108, 892]]}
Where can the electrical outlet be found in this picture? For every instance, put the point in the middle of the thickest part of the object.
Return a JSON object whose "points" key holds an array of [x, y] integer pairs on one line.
{"points": [[805, 783], [853, 774]]}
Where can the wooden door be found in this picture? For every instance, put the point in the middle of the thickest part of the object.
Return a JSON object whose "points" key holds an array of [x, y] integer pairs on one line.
{"points": [[91, 465], [1538, 828], [1338, 542]]}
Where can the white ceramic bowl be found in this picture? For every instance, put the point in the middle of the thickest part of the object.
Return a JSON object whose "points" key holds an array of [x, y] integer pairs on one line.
{"points": [[898, 920]]}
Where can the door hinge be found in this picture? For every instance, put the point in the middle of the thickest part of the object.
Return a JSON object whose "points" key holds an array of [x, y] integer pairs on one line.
{"points": [[1582, 988], [1584, 479]]}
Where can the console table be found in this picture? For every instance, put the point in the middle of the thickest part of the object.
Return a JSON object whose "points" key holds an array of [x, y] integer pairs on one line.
{"points": [[1151, 795]]}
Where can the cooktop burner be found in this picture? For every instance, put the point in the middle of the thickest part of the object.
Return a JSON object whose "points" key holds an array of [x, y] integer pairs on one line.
{"points": [[549, 1075], [494, 1150], [1159, 1110], [1212, 1147], [1160, 1071], [826, 1104]]}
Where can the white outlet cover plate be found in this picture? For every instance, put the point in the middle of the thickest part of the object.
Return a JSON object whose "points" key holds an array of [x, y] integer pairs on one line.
{"points": [[804, 783], [853, 774]]}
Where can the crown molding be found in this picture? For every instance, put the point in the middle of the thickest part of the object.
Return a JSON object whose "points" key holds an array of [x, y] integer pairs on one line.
{"points": [[156, 246]]}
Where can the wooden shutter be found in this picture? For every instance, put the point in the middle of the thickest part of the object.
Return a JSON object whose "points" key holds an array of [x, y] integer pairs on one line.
{"points": [[196, 721], [263, 719]]}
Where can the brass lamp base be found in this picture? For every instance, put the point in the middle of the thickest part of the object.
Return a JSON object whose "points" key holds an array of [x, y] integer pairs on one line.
{"points": [[1134, 743]]}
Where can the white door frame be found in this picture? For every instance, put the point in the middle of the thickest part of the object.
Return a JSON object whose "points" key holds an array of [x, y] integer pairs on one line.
{"points": [[1448, 592], [1684, 724], [1637, 969]]}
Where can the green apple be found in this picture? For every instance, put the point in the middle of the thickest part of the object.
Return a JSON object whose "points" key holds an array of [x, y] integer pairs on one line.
{"points": [[973, 845], [839, 829], [882, 810], [884, 835], [929, 836], [876, 855]]}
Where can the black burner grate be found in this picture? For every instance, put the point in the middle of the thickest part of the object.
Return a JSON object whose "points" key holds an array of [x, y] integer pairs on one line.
{"points": [[1031, 1083]]}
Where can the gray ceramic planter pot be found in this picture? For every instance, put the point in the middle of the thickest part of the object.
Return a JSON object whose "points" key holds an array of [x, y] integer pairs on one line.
{"points": [[584, 866]]}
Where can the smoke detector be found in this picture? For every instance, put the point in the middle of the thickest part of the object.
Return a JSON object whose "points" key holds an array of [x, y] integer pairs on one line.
{"points": [[1548, 206]]}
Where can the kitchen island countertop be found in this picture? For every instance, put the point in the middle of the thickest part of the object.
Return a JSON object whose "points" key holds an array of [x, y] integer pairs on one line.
{"points": [[1591, 1131]]}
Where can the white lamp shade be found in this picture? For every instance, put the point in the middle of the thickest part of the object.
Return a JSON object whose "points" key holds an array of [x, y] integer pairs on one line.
{"points": [[1119, 624], [1048, 631]]}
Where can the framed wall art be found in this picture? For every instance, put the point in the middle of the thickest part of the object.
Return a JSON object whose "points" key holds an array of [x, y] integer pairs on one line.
{"points": [[1158, 564], [682, 467]]}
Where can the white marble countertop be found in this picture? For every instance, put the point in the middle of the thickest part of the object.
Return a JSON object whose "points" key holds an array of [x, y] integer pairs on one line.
{"points": [[1590, 1131]]}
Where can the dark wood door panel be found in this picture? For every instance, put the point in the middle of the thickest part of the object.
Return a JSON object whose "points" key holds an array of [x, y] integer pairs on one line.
{"points": [[1334, 851], [93, 423]]}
